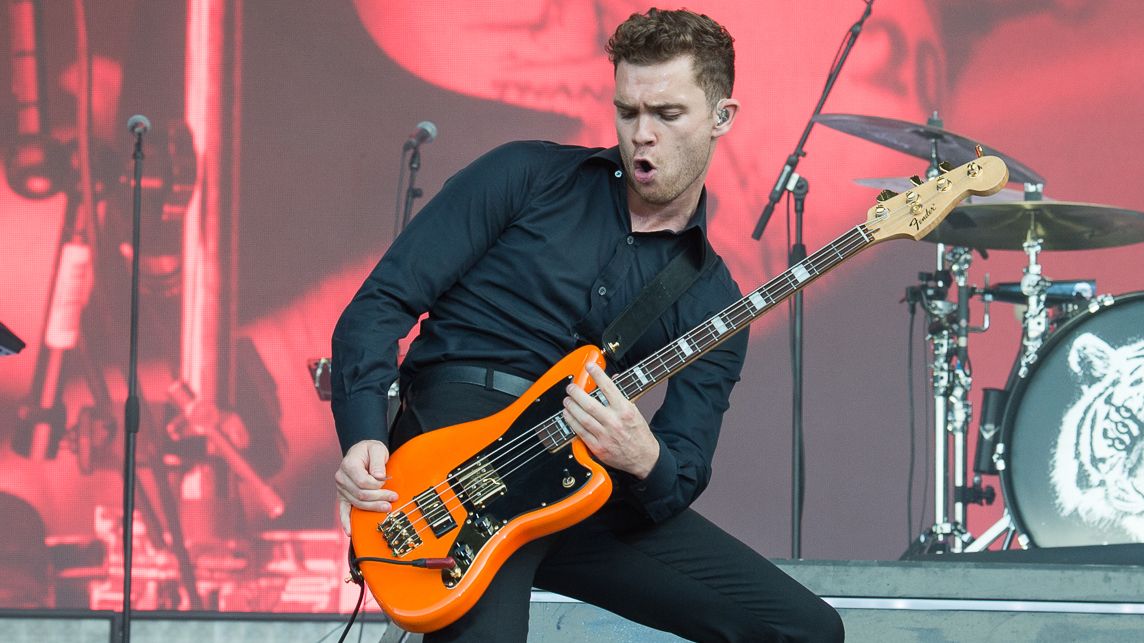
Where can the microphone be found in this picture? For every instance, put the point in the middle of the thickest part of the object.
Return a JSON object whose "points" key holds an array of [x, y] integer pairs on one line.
{"points": [[138, 125], [425, 133]]}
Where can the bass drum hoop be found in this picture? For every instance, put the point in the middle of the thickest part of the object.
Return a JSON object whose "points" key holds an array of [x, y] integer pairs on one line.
{"points": [[1017, 386]]}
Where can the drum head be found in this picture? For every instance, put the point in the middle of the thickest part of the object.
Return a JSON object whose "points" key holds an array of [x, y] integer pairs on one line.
{"points": [[1073, 432]]}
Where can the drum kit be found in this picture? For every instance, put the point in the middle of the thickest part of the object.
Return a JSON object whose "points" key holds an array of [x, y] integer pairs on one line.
{"points": [[1066, 435]]}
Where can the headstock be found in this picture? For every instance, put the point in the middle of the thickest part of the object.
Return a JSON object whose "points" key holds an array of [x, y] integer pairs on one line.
{"points": [[916, 212]]}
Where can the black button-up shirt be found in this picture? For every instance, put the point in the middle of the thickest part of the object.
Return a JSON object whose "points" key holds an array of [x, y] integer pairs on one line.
{"points": [[523, 256]]}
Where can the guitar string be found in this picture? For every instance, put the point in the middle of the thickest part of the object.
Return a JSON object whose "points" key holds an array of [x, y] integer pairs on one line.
{"points": [[843, 247]]}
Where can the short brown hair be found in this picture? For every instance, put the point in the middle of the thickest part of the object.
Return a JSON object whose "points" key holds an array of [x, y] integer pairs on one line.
{"points": [[659, 36]]}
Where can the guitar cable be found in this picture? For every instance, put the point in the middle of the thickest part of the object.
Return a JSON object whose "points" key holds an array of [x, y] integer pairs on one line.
{"points": [[358, 578]]}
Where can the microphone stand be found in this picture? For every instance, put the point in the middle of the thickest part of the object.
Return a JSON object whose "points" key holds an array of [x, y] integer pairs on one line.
{"points": [[797, 254], [411, 192], [131, 406], [788, 180]]}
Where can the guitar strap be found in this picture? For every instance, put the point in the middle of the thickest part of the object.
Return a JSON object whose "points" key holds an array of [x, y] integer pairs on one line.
{"points": [[660, 293]]}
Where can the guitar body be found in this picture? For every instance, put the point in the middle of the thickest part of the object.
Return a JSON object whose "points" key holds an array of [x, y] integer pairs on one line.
{"points": [[477, 492]]}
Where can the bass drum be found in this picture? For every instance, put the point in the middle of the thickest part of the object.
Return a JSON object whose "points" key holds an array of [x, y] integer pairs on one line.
{"points": [[1073, 431]]}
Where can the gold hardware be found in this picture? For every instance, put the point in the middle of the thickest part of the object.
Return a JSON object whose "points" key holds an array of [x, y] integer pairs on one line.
{"points": [[977, 150], [916, 180], [911, 197], [973, 169], [613, 347], [943, 184], [944, 166], [880, 210], [886, 195]]}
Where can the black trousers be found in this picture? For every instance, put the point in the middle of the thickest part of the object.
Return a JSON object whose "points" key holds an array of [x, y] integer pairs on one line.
{"points": [[685, 575]]}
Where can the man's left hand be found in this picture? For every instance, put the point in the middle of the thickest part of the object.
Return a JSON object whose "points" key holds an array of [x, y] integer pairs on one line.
{"points": [[616, 433]]}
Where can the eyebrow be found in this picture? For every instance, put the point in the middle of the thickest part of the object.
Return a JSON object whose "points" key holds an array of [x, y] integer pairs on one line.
{"points": [[655, 107]]}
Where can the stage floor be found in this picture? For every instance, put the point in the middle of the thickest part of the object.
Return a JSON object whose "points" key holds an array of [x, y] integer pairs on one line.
{"points": [[951, 599]]}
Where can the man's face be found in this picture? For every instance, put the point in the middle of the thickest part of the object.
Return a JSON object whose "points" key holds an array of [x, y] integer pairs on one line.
{"points": [[666, 131]]}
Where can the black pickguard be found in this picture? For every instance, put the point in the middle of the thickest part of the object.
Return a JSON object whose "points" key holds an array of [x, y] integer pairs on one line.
{"points": [[532, 482]]}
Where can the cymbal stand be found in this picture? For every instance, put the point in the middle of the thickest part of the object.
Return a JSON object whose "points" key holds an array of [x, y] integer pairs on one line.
{"points": [[1035, 321]]}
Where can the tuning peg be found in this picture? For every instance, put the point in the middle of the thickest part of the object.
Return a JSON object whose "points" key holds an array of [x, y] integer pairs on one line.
{"points": [[944, 166], [916, 180], [886, 195], [978, 151]]}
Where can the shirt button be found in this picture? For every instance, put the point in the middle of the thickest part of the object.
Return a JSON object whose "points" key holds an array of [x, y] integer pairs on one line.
{"points": [[603, 291], [619, 174], [631, 239]]}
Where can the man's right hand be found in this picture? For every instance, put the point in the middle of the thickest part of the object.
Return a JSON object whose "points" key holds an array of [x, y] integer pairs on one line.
{"points": [[360, 478]]}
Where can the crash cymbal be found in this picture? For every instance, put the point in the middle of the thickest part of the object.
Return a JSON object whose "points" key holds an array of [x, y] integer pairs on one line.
{"points": [[1058, 224], [915, 140], [903, 184]]}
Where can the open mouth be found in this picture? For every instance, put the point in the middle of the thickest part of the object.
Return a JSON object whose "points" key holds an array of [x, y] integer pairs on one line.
{"points": [[643, 170]]}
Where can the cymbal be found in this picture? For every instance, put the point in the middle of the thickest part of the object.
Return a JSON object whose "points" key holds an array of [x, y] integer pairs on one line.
{"points": [[915, 140], [1059, 224], [903, 184]]}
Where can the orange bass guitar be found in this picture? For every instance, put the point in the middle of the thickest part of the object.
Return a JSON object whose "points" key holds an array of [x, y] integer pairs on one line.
{"points": [[476, 492]]}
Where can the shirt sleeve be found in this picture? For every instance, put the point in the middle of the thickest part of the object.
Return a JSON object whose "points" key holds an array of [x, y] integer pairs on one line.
{"points": [[450, 233], [687, 427]]}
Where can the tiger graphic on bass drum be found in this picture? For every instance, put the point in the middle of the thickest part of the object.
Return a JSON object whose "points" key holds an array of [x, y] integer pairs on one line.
{"points": [[1098, 462]]}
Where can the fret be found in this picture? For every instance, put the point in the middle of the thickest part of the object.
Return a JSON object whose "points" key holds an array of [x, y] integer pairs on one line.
{"points": [[757, 300]]}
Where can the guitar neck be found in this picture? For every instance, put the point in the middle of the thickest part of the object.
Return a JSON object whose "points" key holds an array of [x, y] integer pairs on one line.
{"points": [[670, 359]]}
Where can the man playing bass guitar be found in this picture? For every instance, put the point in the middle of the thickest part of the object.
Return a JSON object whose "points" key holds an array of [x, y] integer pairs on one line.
{"points": [[530, 252]]}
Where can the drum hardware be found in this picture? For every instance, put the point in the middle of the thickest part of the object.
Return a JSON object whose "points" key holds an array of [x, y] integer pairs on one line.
{"points": [[952, 378], [1035, 320], [1066, 295]]}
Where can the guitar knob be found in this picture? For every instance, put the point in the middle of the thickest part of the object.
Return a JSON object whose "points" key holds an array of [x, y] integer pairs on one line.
{"points": [[916, 180], [886, 195]]}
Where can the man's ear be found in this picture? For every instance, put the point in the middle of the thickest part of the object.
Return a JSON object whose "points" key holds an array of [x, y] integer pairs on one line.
{"points": [[725, 112]]}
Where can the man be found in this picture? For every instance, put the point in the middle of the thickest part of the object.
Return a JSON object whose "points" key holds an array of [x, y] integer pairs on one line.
{"points": [[530, 252]]}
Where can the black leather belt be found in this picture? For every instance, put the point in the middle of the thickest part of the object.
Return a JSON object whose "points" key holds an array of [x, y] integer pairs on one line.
{"points": [[492, 380]]}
